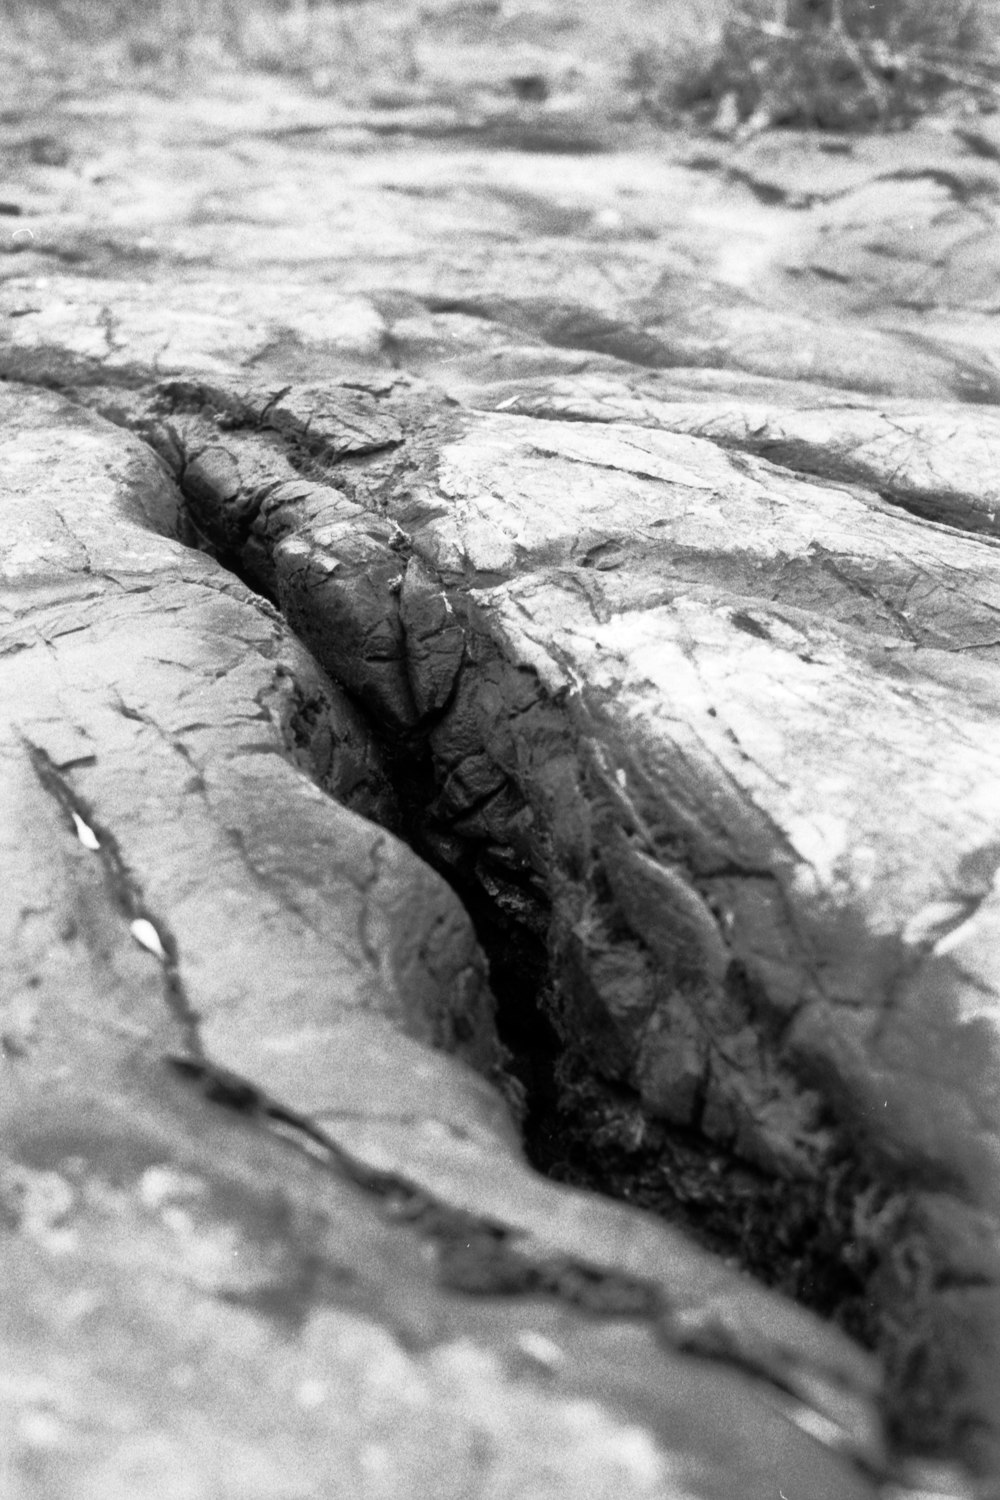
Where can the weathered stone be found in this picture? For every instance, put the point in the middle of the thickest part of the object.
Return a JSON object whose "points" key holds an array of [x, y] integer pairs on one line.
{"points": [[938, 462], [787, 929], [192, 894], [657, 607]]}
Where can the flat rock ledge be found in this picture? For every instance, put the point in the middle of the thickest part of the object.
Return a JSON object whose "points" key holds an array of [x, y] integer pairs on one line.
{"points": [[460, 753]]}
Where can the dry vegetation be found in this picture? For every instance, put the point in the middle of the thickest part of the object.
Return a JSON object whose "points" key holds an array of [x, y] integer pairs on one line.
{"points": [[731, 64], [834, 64]]}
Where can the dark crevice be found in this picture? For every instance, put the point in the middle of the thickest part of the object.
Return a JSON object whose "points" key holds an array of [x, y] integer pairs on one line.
{"points": [[581, 1129], [793, 1235], [822, 1236], [193, 535], [801, 1237]]}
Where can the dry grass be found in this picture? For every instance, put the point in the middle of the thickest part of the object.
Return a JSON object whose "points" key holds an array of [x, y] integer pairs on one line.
{"points": [[831, 64]]}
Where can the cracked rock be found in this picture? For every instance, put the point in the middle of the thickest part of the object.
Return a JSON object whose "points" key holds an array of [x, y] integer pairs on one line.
{"points": [[325, 1161], [410, 562]]}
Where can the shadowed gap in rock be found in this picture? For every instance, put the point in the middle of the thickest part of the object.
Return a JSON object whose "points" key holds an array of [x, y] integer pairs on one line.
{"points": [[586, 1131]]}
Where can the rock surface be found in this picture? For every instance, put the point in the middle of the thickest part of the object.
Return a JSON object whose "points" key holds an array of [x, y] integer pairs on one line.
{"points": [[607, 533]]}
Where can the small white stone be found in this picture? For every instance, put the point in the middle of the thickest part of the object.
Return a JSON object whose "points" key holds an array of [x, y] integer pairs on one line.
{"points": [[147, 937], [88, 838], [539, 1349]]}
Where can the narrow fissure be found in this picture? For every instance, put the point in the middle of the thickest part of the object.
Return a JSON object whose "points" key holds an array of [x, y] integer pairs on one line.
{"points": [[587, 1131], [584, 1130], [822, 1240]]}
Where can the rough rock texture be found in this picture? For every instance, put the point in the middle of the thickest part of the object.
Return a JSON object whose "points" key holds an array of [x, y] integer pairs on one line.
{"points": [[660, 617], [190, 919]]}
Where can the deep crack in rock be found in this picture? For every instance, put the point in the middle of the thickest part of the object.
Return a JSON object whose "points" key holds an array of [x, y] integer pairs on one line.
{"points": [[828, 1227]]}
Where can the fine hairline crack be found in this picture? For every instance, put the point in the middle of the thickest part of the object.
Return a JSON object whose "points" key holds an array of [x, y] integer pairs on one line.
{"points": [[476, 1255], [146, 928]]}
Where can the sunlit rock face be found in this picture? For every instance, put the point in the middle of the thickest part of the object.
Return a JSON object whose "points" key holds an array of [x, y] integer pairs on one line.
{"points": [[485, 737]]}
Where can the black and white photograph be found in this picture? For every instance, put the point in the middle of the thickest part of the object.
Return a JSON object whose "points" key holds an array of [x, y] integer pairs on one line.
{"points": [[500, 749]]}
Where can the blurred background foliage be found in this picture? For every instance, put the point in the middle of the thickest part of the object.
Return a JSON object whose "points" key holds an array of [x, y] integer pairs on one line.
{"points": [[834, 64], [730, 65]]}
